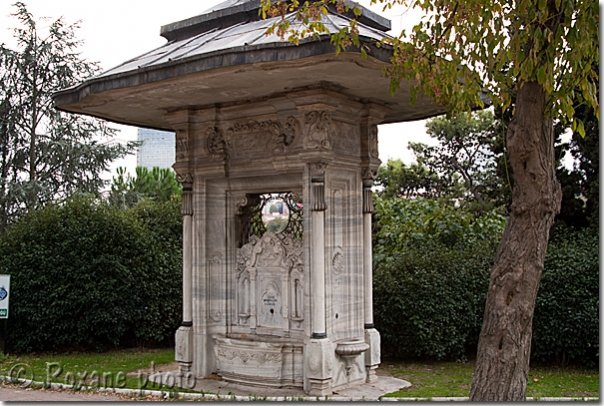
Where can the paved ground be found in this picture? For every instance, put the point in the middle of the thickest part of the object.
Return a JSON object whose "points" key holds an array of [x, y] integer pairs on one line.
{"points": [[11, 394]]}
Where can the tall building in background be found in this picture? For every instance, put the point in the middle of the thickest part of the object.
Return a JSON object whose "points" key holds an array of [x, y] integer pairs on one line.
{"points": [[157, 148]]}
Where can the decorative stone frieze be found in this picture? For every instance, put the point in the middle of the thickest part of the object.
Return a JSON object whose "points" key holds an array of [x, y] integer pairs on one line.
{"points": [[255, 139]]}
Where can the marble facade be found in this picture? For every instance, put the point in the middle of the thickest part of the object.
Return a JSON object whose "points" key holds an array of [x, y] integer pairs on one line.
{"points": [[285, 309]]}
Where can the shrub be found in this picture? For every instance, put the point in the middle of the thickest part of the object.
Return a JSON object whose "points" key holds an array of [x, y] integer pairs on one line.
{"points": [[431, 269], [566, 321], [429, 300], [431, 276], [161, 288], [87, 275]]}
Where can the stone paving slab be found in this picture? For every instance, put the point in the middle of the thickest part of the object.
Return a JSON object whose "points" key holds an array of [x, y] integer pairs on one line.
{"points": [[367, 391]]}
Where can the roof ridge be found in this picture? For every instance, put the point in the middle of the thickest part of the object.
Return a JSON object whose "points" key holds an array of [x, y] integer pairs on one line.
{"points": [[232, 12]]}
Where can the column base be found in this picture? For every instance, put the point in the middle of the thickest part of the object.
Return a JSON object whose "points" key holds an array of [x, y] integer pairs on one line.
{"points": [[184, 349], [319, 366], [320, 388], [372, 355]]}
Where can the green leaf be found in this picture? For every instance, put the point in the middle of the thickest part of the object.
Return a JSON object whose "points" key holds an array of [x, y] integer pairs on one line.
{"points": [[541, 75]]}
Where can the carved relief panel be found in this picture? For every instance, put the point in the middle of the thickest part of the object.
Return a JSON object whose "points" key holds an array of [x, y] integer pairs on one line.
{"points": [[252, 139], [269, 275]]}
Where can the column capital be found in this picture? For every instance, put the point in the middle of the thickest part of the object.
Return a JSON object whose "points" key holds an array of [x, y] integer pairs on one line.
{"points": [[187, 202], [184, 177], [367, 200], [318, 196], [317, 171], [317, 181]]}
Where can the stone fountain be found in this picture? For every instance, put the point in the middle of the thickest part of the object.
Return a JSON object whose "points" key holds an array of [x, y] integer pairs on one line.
{"points": [[276, 149]]}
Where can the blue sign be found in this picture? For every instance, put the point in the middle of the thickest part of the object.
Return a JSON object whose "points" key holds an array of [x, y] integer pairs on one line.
{"points": [[4, 295]]}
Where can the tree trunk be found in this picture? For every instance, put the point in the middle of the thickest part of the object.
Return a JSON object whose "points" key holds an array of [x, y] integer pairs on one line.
{"points": [[504, 346]]}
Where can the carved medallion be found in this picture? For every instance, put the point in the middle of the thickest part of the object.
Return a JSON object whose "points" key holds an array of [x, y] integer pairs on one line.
{"points": [[318, 130], [337, 266]]}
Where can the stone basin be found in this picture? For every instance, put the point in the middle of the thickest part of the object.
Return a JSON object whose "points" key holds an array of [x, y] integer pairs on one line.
{"points": [[260, 360], [349, 350]]}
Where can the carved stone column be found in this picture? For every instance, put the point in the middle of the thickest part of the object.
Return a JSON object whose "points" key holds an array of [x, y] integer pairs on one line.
{"points": [[187, 249], [184, 334], [318, 254], [367, 252], [372, 336], [319, 349], [371, 161]]}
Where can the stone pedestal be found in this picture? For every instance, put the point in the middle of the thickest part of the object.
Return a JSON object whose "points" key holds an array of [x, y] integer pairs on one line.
{"points": [[372, 356], [319, 367], [184, 349]]}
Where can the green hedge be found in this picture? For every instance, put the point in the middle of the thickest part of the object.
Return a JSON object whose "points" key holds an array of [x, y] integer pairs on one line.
{"points": [[429, 300], [87, 275], [431, 273], [566, 321]]}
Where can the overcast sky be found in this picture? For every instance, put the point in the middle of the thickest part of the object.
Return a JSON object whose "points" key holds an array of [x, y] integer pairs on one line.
{"points": [[117, 30]]}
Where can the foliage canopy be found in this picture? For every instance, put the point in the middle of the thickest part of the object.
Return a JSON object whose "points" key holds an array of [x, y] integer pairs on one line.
{"points": [[462, 48], [45, 154]]}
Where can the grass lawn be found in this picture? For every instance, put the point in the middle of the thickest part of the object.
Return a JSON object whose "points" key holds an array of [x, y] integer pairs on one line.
{"points": [[453, 379], [120, 369], [115, 369]]}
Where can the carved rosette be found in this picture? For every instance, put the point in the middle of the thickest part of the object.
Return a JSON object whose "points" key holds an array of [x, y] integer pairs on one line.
{"points": [[318, 127]]}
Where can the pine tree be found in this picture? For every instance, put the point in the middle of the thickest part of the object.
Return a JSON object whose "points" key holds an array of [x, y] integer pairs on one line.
{"points": [[46, 155]]}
